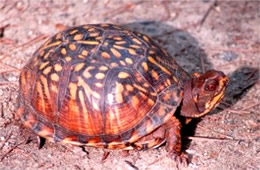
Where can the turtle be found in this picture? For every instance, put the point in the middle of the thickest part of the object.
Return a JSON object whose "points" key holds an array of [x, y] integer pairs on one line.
{"points": [[104, 86]]}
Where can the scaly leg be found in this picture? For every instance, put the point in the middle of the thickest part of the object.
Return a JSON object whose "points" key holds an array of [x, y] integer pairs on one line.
{"points": [[173, 141]]}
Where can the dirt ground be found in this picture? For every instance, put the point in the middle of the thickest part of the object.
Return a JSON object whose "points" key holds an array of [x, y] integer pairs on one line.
{"points": [[200, 35]]}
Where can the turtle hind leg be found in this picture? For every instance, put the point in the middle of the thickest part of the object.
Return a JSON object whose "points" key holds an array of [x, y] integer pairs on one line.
{"points": [[173, 142]]}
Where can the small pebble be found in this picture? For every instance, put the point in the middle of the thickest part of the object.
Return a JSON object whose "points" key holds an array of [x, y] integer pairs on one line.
{"points": [[226, 56]]}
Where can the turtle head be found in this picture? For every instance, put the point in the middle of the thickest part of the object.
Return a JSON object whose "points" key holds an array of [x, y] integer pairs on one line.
{"points": [[203, 93]]}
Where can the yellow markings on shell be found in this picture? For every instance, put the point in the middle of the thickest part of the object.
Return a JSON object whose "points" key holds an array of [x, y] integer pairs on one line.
{"points": [[149, 126], [146, 38], [44, 64], [39, 90], [100, 75], [118, 38], [128, 60], [78, 37], [143, 95], [123, 75], [103, 68], [151, 59], [175, 79], [98, 38], [91, 29], [138, 77], [86, 72], [140, 88], [84, 52], [95, 94], [120, 42], [119, 87], [55, 77], [83, 105], [88, 42], [105, 55], [122, 63], [137, 41], [132, 51], [110, 98], [119, 96], [86, 87], [56, 43], [146, 85], [57, 67], [72, 47], [63, 51], [99, 85], [168, 82], [134, 137], [54, 88], [94, 34], [153, 94], [79, 66], [135, 46], [58, 36], [105, 43], [86, 27], [95, 105], [135, 102], [145, 66], [151, 52], [114, 64], [81, 56], [116, 53], [46, 55], [129, 87], [150, 102], [73, 31], [119, 47], [68, 58], [45, 85], [47, 70], [73, 90]]}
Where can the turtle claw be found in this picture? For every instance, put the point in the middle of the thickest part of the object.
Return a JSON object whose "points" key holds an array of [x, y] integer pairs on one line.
{"points": [[41, 141], [180, 159]]}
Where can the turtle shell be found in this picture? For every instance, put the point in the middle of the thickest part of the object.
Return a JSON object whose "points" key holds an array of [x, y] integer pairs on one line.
{"points": [[99, 85]]}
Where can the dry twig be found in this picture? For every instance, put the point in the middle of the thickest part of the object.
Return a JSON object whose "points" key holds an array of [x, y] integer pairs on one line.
{"points": [[131, 164], [11, 149], [203, 138], [238, 111], [214, 3], [251, 106], [226, 136]]}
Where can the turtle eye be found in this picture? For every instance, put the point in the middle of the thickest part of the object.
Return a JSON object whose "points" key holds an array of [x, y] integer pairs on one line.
{"points": [[211, 86]]}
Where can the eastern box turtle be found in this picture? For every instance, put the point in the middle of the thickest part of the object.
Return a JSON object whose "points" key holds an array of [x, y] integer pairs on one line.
{"points": [[109, 87]]}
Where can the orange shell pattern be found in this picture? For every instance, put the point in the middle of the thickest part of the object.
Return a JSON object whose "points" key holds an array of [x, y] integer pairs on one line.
{"points": [[99, 85]]}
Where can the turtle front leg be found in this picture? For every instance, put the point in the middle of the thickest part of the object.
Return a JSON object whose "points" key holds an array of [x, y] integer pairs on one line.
{"points": [[173, 141]]}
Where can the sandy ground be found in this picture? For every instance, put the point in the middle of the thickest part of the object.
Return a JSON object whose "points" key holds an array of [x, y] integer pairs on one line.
{"points": [[200, 35]]}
